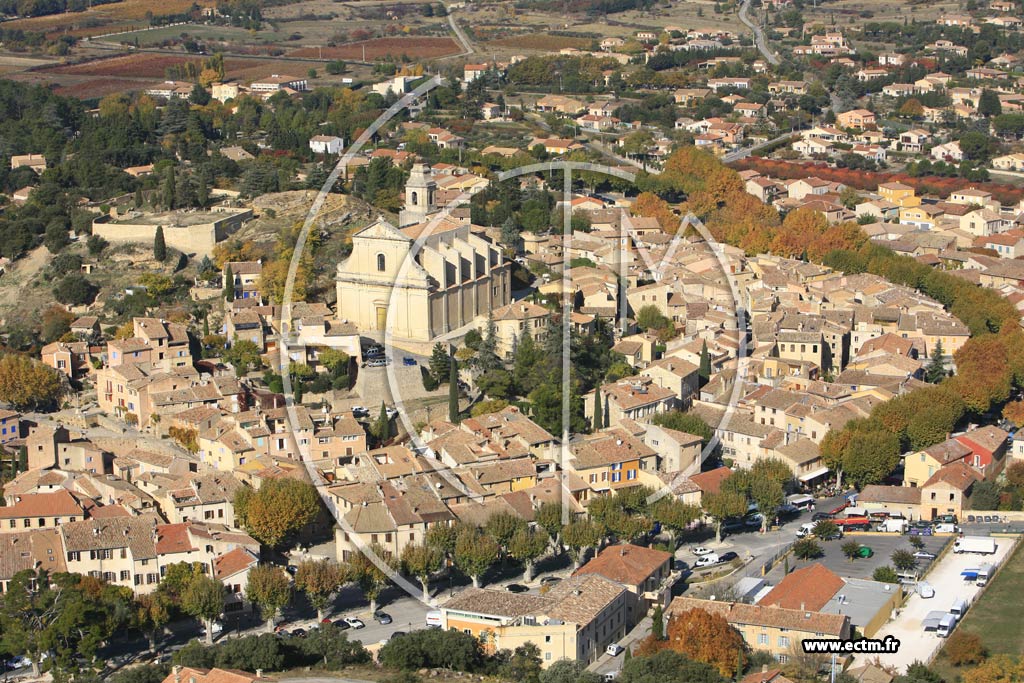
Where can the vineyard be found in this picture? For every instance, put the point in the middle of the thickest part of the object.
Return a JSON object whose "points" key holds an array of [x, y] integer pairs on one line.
{"points": [[414, 48], [543, 41]]}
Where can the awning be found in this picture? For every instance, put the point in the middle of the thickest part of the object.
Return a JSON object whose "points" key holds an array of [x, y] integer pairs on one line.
{"points": [[820, 472]]}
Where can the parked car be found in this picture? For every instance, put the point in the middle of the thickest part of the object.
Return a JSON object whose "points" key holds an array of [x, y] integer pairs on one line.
{"points": [[360, 411], [754, 521], [299, 633], [550, 580], [727, 557], [378, 362], [818, 516], [397, 634], [283, 633], [946, 519], [921, 531], [611, 676], [924, 555], [865, 551], [217, 628], [701, 550], [516, 588], [614, 649], [706, 560], [341, 624], [733, 525], [406, 360], [382, 618], [374, 350], [925, 590], [291, 569], [355, 622]]}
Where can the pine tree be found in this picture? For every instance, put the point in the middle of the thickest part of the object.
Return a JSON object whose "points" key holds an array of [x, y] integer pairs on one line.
{"points": [[453, 391], [487, 355], [658, 624], [382, 427], [159, 246], [168, 191], [598, 418], [229, 284], [439, 363], [705, 364], [935, 371]]}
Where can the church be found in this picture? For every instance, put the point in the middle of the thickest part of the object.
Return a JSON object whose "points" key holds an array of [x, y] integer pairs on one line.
{"points": [[418, 288]]}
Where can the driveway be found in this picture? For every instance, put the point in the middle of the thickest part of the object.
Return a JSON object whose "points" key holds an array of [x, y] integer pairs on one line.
{"points": [[915, 643]]}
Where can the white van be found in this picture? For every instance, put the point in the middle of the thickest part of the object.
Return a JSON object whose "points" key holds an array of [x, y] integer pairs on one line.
{"points": [[959, 608], [946, 626], [434, 618], [806, 529]]}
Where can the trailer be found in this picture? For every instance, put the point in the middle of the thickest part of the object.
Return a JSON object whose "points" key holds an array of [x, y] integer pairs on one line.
{"points": [[853, 523], [800, 501], [894, 526], [982, 545], [932, 620]]}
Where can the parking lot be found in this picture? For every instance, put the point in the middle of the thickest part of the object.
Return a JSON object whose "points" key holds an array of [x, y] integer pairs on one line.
{"points": [[883, 546], [915, 643]]}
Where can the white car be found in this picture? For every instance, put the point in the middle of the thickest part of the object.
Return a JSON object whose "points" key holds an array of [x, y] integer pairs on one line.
{"points": [[614, 649], [706, 560], [217, 628], [925, 590], [355, 622], [701, 550]]}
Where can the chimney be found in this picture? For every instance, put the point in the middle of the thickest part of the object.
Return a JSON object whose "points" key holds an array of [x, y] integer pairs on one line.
{"points": [[177, 673], [259, 673], [803, 606], [764, 668]]}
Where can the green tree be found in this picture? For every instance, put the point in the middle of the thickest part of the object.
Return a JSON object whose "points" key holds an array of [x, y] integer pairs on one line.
{"points": [[269, 588], [433, 648], [690, 423], [371, 577], [851, 549], [278, 510], [580, 536], [935, 371], [658, 623], [723, 505], [27, 384], [825, 530], [159, 245], [439, 362], [203, 598], [807, 549], [243, 356], [453, 391], [989, 104], [769, 495], [904, 560], [669, 666], [674, 516], [229, 284], [422, 561], [566, 671], [527, 546], [549, 518], [475, 552], [151, 612], [381, 428], [885, 574], [704, 370], [319, 580], [333, 649], [598, 422], [524, 664]]}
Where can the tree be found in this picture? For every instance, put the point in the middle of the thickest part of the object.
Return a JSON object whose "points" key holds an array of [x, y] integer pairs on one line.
{"points": [[989, 104], [669, 666], [567, 671], [964, 648], [439, 362], [159, 246], [74, 289], [598, 422], [332, 647], [549, 518], [524, 664], [453, 391], [269, 588], [229, 284], [27, 384], [885, 574], [579, 536], [723, 505], [825, 530], [807, 549], [433, 648], [277, 510], [851, 549], [381, 428], [674, 516], [917, 542], [690, 423], [769, 495], [203, 598], [319, 580], [904, 560], [526, 546], [985, 495], [475, 552], [658, 623], [422, 561], [704, 371], [912, 109], [150, 613], [243, 356], [707, 638], [935, 371], [371, 577]]}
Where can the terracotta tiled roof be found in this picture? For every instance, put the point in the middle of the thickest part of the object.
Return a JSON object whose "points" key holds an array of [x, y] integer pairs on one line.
{"points": [[57, 504], [187, 674], [711, 481], [738, 614], [807, 588], [630, 565], [233, 562]]}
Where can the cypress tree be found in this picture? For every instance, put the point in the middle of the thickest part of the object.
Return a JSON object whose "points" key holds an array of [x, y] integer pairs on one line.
{"points": [[229, 284], [598, 418], [206, 326], [705, 364], [159, 246], [453, 391]]}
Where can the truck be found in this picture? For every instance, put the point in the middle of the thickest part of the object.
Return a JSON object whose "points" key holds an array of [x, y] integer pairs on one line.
{"points": [[946, 626], [893, 526], [932, 620], [853, 523], [982, 545], [985, 573], [800, 501]]}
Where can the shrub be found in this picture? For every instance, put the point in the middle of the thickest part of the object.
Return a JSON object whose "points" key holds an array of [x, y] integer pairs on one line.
{"points": [[964, 648]]}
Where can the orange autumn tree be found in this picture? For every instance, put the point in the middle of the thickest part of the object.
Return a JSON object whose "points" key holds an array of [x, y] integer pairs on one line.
{"points": [[650, 205], [706, 637]]}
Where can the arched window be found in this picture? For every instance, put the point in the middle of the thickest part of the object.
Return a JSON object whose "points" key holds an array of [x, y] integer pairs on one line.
{"points": [[380, 263], [415, 198]]}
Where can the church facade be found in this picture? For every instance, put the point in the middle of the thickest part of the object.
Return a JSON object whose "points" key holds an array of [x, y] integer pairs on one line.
{"points": [[421, 281]]}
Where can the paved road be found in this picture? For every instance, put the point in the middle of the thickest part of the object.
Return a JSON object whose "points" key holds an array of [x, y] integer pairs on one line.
{"points": [[744, 152], [759, 39], [460, 35]]}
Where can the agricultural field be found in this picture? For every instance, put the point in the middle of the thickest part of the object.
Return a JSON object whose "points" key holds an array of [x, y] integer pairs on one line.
{"points": [[412, 47], [102, 18], [854, 13]]}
